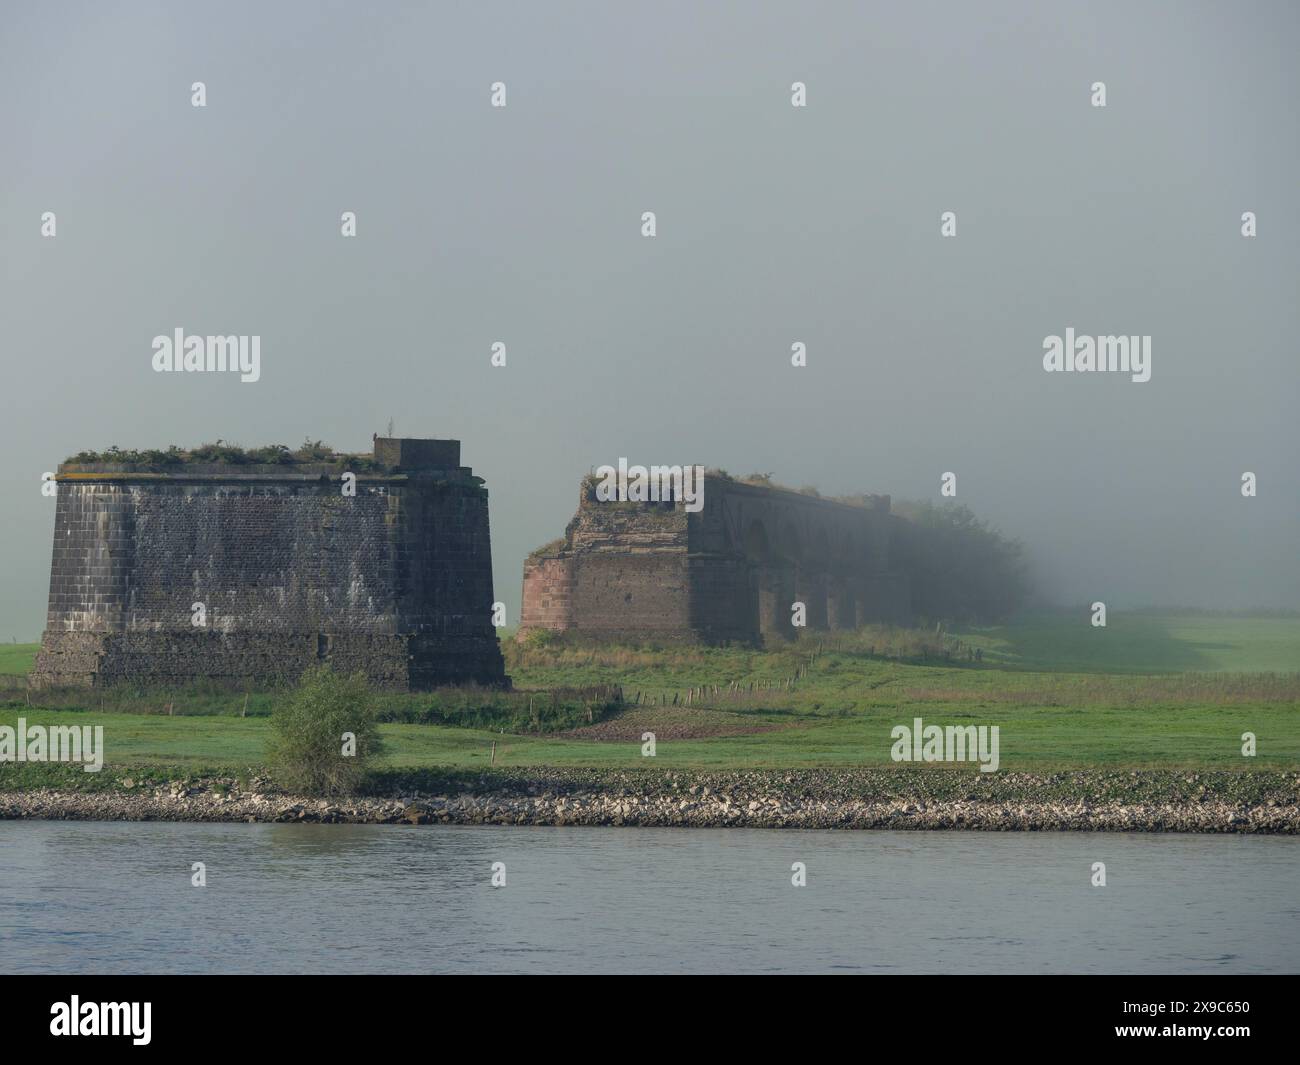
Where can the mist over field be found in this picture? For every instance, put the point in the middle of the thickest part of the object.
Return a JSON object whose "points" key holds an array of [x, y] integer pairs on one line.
{"points": [[776, 225]]}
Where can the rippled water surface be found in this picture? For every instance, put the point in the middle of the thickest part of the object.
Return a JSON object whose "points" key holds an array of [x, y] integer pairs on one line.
{"points": [[110, 897]]}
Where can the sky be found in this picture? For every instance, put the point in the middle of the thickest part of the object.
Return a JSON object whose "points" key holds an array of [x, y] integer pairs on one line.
{"points": [[775, 225]]}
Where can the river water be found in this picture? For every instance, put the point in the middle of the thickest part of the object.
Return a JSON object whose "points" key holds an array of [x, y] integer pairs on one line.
{"points": [[119, 898]]}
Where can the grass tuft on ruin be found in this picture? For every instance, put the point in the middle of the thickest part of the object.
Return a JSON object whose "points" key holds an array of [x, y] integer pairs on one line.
{"points": [[221, 453]]}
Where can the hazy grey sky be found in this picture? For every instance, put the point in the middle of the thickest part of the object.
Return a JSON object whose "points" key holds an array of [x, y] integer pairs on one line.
{"points": [[775, 224]]}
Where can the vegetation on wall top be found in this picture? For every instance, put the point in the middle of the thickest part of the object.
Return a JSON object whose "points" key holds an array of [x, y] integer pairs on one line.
{"points": [[221, 453]]}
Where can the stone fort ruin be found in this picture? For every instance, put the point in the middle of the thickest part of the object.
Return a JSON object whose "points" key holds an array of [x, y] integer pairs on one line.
{"points": [[247, 572], [730, 572]]}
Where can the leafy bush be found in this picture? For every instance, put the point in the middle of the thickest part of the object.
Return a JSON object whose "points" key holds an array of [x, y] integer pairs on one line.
{"points": [[516, 712], [539, 638], [306, 752], [173, 456]]}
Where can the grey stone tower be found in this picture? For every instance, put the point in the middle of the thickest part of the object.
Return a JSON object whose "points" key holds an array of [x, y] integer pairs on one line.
{"points": [[246, 574]]}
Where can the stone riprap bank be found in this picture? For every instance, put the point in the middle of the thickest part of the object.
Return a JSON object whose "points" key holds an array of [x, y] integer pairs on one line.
{"points": [[729, 572], [246, 574]]}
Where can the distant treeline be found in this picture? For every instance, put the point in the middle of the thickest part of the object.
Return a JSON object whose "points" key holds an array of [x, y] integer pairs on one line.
{"points": [[960, 568]]}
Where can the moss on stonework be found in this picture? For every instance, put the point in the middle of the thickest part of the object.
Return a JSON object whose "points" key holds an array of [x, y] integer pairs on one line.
{"points": [[552, 548]]}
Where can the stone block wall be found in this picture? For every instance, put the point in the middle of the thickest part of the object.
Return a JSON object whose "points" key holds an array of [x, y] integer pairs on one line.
{"points": [[728, 572], [394, 581], [548, 593]]}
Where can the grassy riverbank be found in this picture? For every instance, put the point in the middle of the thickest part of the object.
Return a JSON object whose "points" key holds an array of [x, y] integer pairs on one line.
{"points": [[1149, 692]]}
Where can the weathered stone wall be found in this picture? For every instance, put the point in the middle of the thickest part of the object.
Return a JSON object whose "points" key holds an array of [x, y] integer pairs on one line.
{"points": [[623, 571], [395, 581], [548, 592], [624, 595], [729, 572]]}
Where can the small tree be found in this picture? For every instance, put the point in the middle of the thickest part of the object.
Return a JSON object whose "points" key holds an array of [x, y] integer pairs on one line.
{"points": [[310, 750]]}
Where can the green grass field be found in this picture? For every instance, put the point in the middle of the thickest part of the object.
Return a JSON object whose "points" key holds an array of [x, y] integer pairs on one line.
{"points": [[1144, 643], [1148, 691], [17, 658]]}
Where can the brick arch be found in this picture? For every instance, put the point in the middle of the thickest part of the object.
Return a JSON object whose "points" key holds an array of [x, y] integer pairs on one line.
{"points": [[845, 559], [757, 546], [792, 548], [705, 573], [820, 555]]}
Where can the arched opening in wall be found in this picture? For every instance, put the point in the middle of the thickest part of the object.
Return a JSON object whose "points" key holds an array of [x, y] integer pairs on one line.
{"points": [[791, 544], [844, 560], [842, 598], [769, 590], [822, 550]]}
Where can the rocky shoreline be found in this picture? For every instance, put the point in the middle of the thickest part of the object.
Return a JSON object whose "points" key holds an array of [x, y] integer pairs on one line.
{"points": [[823, 799]]}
